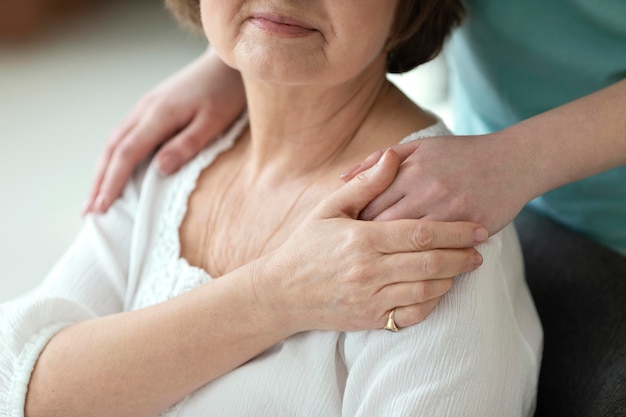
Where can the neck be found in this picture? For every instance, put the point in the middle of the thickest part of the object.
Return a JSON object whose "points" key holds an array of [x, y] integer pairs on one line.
{"points": [[300, 129]]}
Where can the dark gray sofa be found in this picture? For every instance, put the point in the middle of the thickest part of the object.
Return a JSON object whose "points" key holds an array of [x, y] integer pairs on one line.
{"points": [[583, 312]]}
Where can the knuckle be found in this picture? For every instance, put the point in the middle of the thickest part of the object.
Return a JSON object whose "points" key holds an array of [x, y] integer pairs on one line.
{"points": [[357, 274], [361, 176], [157, 110], [148, 99], [460, 203], [124, 151], [435, 191], [191, 141], [423, 237], [353, 239], [432, 264]]}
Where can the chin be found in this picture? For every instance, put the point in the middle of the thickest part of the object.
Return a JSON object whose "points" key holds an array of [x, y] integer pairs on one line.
{"points": [[280, 65]]}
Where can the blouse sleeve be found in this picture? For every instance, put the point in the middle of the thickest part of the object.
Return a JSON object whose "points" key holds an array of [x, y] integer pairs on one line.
{"points": [[89, 281], [477, 354]]}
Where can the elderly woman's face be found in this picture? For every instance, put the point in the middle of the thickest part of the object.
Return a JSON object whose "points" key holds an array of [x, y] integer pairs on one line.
{"points": [[299, 41]]}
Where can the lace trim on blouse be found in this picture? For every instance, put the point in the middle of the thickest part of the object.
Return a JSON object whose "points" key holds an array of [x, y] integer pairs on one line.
{"points": [[168, 275]]}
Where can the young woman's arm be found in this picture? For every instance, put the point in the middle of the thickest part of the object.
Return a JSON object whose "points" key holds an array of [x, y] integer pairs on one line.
{"points": [[489, 178]]}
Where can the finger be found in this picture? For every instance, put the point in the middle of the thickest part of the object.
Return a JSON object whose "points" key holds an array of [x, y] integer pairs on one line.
{"points": [[135, 146], [388, 199], [186, 144], [416, 268], [403, 208], [407, 316], [402, 150], [409, 293], [423, 235], [350, 199], [367, 163], [104, 159]]}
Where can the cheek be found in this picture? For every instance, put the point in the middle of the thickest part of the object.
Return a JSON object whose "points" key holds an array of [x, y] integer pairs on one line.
{"points": [[358, 51], [365, 31], [207, 15], [215, 17], [218, 19]]}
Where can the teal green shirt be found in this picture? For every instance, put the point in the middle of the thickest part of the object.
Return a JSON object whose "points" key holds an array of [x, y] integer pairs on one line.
{"points": [[513, 59]]}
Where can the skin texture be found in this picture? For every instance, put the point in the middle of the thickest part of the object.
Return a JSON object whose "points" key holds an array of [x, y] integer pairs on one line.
{"points": [[321, 269]]}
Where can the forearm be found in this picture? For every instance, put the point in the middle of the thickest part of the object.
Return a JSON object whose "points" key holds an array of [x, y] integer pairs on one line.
{"points": [[573, 141], [139, 363]]}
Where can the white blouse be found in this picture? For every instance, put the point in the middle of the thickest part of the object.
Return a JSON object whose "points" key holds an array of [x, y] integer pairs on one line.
{"points": [[477, 354]]}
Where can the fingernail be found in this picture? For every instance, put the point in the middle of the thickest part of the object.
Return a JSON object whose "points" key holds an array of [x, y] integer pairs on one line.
{"points": [[350, 171], [480, 235], [168, 164], [478, 260]]}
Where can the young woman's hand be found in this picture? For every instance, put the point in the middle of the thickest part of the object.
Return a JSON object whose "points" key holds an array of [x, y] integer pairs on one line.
{"points": [[454, 178], [336, 272], [183, 113]]}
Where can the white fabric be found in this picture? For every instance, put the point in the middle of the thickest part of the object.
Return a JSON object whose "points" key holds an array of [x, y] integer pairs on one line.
{"points": [[477, 354]]}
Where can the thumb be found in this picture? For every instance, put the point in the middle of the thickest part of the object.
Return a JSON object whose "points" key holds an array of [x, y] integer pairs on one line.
{"points": [[403, 150], [350, 199]]}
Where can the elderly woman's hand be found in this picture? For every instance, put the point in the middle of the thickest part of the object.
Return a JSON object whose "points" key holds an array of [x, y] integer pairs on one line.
{"points": [[185, 113], [339, 273]]}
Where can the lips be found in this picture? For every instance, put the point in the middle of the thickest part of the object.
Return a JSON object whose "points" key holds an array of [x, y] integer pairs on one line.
{"points": [[279, 24]]}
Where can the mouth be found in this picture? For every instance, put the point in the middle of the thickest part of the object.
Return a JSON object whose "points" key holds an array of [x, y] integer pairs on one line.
{"points": [[280, 25]]}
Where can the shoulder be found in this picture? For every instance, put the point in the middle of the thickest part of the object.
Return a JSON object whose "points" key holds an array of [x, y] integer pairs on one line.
{"points": [[484, 333], [149, 183], [437, 129]]}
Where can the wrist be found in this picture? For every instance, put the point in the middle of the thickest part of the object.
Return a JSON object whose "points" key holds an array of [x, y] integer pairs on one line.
{"points": [[526, 167], [272, 299]]}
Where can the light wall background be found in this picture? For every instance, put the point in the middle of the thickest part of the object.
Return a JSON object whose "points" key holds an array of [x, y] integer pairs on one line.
{"points": [[60, 97]]}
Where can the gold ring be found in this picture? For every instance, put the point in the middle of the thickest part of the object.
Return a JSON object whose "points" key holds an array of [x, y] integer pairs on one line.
{"points": [[391, 322]]}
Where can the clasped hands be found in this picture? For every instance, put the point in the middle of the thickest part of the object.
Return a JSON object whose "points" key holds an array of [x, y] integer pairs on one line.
{"points": [[336, 272]]}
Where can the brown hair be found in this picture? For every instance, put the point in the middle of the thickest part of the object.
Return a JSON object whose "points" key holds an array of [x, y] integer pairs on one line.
{"points": [[187, 12], [421, 28]]}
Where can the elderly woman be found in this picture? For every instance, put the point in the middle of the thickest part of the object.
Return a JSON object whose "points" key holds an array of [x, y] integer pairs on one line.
{"points": [[221, 290]]}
